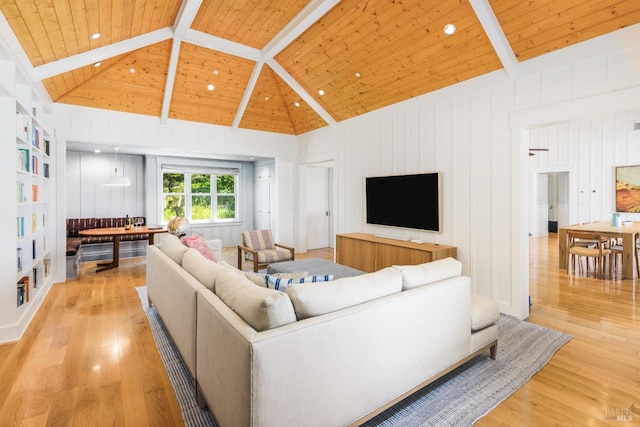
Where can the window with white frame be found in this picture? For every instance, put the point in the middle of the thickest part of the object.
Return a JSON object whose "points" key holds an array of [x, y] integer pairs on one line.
{"points": [[199, 194]]}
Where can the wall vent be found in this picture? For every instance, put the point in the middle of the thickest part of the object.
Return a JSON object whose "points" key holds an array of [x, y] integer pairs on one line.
{"points": [[635, 126]]}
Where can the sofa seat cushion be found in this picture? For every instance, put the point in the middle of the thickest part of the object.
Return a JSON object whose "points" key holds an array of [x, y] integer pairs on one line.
{"points": [[484, 312], [271, 255], [414, 276], [261, 308], [315, 299]]}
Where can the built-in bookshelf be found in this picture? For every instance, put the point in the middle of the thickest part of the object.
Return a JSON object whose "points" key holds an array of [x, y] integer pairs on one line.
{"points": [[27, 139]]}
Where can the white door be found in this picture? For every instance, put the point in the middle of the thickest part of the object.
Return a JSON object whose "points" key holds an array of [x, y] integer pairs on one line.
{"points": [[318, 214], [262, 205]]}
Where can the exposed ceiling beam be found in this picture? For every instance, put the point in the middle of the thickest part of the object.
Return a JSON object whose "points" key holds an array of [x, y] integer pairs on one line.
{"points": [[221, 45], [284, 75], [91, 57], [247, 94], [492, 27], [171, 78], [303, 20], [186, 15]]}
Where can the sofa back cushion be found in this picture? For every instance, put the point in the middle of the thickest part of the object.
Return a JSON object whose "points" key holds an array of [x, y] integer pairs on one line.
{"points": [[414, 276], [173, 248], [261, 308], [204, 270], [314, 299]]}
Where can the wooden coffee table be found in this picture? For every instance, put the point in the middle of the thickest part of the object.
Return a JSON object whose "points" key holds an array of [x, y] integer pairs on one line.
{"points": [[117, 233]]}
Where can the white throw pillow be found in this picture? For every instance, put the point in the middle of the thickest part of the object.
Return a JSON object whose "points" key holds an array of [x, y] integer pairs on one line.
{"points": [[414, 276], [314, 299], [261, 308], [280, 281]]}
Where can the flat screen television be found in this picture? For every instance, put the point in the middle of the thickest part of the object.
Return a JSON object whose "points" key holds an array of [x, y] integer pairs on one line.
{"points": [[409, 201]]}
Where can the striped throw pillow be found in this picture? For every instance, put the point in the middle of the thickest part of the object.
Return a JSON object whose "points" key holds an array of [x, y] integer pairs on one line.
{"points": [[281, 283]]}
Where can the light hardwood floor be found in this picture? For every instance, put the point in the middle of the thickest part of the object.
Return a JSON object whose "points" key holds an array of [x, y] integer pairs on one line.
{"points": [[89, 358]]}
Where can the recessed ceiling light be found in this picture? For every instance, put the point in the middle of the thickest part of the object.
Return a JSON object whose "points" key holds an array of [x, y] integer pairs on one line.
{"points": [[97, 64], [210, 87], [321, 92], [132, 70], [297, 104], [266, 98], [449, 29], [215, 72], [357, 74], [97, 150], [95, 36]]}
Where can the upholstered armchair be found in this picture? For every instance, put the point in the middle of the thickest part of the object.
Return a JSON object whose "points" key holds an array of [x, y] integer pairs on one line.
{"points": [[260, 249]]}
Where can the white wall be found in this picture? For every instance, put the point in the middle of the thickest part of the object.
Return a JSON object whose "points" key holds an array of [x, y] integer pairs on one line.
{"points": [[101, 127], [88, 198], [477, 134]]}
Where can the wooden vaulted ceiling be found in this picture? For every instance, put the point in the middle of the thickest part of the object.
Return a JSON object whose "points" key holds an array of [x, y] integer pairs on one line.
{"points": [[267, 60]]}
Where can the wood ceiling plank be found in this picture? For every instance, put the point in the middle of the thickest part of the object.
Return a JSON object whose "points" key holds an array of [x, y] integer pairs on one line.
{"points": [[80, 27], [191, 100], [534, 29], [115, 21], [266, 109], [30, 21]]}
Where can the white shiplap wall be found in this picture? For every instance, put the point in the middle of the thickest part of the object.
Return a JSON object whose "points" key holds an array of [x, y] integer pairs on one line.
{"points": [[477, 133], [88, 198]]}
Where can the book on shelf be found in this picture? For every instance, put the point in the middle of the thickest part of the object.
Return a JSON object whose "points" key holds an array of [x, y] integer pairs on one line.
{"points": [[46, 267], [47, 147], [35, 165], [20, 259], [35, 277], [21, 196], [33, 249], [35, 137], [22, 126], [23, 290], [34, 222], [20, 227], [45, 170], [23, 159], [45, 219], [34, 193]]}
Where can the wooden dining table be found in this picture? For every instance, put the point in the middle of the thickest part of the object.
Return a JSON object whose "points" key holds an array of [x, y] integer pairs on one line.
{"points": [[117, 233], [627, 232]]}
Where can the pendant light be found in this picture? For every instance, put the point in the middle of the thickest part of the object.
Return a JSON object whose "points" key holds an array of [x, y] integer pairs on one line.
{"points": [[115, 180]]}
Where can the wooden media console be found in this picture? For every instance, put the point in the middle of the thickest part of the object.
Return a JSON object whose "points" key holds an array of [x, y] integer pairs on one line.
{"points": [[369, 253]]}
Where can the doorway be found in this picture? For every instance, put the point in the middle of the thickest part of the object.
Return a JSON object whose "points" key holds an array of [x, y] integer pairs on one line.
{"points": [[318, 204], [551, 208]]}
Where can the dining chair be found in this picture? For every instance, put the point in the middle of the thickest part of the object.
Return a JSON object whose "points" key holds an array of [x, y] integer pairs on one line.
{"points": [[617, 248], [598, 251]]}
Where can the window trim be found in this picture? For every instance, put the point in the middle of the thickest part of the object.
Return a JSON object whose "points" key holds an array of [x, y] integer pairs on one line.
{"points": [[214, 172]]}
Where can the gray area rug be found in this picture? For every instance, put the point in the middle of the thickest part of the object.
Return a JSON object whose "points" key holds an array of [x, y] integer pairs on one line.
{"points": [[459, 398]]}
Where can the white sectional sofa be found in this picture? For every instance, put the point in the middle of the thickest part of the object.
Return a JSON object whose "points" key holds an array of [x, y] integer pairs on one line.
{"points": [[321, 354]]}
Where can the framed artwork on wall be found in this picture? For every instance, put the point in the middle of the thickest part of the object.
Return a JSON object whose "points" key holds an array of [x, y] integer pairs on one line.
{"points": [[628, 189]]}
